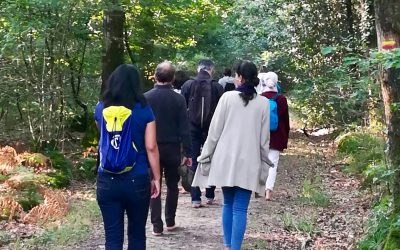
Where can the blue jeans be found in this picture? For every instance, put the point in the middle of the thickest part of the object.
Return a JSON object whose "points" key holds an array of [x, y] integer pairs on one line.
{"points": [[234, 215], [198, 139], [117, 194]]}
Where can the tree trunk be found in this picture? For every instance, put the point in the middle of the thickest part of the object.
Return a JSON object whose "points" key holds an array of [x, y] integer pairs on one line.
{"points": [[388, 27], [350, 18], [113, 55]]}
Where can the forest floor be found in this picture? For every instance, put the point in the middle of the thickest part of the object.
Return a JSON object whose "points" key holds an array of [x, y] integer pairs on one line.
{"points": [[300, 216]]}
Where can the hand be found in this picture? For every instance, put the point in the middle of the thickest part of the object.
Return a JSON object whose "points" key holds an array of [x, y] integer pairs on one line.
{"points": [[187, 161], [155, 188]]}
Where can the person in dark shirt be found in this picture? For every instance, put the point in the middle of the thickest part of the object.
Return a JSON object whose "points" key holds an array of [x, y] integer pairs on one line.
{"points": [[172, 126], [205, 70]]}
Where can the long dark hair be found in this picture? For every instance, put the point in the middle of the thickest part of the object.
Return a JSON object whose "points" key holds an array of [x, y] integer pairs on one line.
{"points": [[248, 71], [123, 87]]}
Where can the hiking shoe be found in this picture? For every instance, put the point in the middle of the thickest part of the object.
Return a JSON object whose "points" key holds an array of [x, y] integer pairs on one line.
{"points": [[156, 233], [171, 228], [211, 201], [196, 204]]}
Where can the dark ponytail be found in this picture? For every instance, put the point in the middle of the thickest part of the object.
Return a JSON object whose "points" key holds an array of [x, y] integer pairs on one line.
{"points": [[248, 71]]}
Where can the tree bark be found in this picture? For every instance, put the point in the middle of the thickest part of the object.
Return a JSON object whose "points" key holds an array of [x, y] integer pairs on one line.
{"points": [[113, 54], [388, 27], [350, 18]]}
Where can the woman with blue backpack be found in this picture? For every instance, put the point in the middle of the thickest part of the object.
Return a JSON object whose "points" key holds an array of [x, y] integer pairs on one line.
{"points": [[279, 125], [128, 149]]}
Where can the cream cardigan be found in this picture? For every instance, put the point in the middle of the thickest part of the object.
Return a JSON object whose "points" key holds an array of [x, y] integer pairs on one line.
{"points": [[237, 144]]}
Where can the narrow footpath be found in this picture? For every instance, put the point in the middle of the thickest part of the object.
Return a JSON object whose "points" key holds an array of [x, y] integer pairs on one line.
{"points": [[290, 221]]}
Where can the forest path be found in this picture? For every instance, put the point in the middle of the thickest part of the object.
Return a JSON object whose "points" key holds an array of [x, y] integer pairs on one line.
{"points": [[287, 222]]}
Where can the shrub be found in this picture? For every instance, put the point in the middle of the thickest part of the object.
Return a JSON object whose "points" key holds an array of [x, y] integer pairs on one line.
{"points": [[361, 150], [364, 154], [91, 137], [63, 170], [29, 198], [378, 226], [312, 193], [86, 168], [3, 177], [304, 225]]}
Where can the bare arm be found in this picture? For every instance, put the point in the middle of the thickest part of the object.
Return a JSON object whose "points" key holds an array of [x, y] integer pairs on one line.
{"points": [[153, 156]]}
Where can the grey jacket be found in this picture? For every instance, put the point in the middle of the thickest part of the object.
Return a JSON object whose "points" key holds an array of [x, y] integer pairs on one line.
{"points": [[237, 145]]}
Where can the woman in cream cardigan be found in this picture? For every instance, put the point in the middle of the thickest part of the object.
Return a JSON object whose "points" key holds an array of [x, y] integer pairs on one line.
{"points": [[235, 154]]}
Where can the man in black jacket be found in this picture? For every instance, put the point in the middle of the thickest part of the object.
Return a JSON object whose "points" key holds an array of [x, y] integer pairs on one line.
{"points": [[203, 86], [172, 124]]}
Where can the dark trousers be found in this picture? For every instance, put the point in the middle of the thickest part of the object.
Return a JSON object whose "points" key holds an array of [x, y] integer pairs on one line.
{"points": [[170, 159], [198, 139], [117, 194]]}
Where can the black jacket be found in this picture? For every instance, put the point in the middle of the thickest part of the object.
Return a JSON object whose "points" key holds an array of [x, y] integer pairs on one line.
{"points": [[202, 75], [172, 122]]}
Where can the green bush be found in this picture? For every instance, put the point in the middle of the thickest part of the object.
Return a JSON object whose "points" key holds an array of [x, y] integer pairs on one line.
{"points": [[361, 150], [63, 170], [312, 193], [29, 197], [86, 168], [3, 177], [305, 225], [91, 137], [379, 226]]}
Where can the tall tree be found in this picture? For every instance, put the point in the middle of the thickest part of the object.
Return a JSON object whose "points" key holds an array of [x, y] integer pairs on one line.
{"points": [[388, 33], [114, 20]]}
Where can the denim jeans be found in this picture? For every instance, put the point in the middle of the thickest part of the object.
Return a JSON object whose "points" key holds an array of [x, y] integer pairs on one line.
{"points": [[170, 158], [117, 194], [198, 139], [234, 215]]}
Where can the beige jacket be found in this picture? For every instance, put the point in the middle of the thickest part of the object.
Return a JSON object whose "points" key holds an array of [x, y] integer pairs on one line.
{"points": [[237, 145]]}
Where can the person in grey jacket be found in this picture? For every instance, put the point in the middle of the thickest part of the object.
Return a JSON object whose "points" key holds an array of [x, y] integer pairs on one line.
{"points": [[235, 154]]}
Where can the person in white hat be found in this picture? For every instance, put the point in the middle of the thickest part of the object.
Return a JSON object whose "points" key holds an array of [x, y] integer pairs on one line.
{"points": [[268, 87]]}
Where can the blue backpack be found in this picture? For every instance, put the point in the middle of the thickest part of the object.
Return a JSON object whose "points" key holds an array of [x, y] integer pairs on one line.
{"points": [[118, 152], [273, 114]]}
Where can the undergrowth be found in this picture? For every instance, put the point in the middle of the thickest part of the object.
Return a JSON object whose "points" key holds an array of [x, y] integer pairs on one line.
{"points": [[312, 193], [365, 157], [304, 225], [363, 153], [74, 227], [379, 225]]}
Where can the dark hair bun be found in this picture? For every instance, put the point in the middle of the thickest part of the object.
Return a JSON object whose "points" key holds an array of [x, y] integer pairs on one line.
{"points": [[255, 81]]}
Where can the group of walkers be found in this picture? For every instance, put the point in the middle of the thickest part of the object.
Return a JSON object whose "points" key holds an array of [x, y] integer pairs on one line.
{"points": [[229, 135]]}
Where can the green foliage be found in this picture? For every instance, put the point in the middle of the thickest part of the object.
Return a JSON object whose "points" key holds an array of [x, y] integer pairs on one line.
{"points": [[304, 225], [45, 63], [364, 153], [92, 135], [393, 238], [29, 197], [63, 170], [74, 228], [86, 168], [312, 193], [3, 177], [379, 224]]}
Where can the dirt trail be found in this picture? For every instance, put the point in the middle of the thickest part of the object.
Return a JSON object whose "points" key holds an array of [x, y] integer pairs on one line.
{"points": [[336, 226]]}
